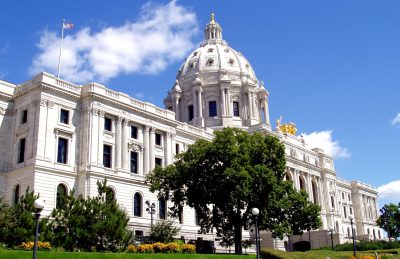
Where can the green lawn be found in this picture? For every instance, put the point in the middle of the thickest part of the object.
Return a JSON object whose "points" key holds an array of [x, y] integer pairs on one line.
{"points": [[323, 254], [15, 254]]}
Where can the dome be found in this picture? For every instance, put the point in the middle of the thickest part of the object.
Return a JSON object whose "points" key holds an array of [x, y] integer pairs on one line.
{"points": [[215, 57], [216, 86]]}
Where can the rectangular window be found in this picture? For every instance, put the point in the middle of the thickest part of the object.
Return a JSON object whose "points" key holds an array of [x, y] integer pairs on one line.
{"points": [[332, 202], [158, 139], [64, 116], [177, 149], [62, 150], [21, 151], [134, 132], [342, 195], [190, 112], [158, 161], [345, 212], [180, 214], [107, 124], [24, 116], [349, 197], [134, 162], [139, 233], [351, 210], [212, 108], [236, 109], [107, 155]]}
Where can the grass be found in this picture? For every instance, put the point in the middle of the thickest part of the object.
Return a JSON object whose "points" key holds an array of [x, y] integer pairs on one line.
{"points": [[17, 254], [323, 254]]}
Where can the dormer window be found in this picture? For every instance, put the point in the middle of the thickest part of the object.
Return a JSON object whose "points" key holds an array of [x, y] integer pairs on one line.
{"points": [[210, 50], [210, 62], [194, 53], [231, 61], [191, 65], [226, 50]]}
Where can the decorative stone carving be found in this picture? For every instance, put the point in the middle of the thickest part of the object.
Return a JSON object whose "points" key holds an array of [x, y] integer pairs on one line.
{"points": [[134, 146]]}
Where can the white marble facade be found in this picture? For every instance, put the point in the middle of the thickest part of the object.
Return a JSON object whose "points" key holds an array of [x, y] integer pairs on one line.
{"points": [[56, 135]]}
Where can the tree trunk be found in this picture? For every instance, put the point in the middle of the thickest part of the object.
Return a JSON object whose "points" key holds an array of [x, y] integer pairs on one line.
{"points": [[238, 239]]}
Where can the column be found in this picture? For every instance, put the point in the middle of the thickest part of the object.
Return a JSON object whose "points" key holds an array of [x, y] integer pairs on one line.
{"points": [[266, 112], [228, 103], [223, 101], [177, 108], [168, 149], [194, 104], [99, 141], [200, 106], [124, 144], [249, 104], [151, 148], [173, 146], [296, 179], [118, 139], [147, 148]]}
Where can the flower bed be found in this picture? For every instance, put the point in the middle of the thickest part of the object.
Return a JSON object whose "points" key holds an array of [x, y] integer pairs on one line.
{"points": [[158, 247]]}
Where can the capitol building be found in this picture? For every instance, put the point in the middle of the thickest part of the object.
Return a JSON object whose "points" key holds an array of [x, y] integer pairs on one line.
{"points": [[57, 136]]}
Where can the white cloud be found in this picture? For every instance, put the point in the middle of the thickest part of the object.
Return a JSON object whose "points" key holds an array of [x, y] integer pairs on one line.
{"points": [[323, 139], [390, 191], [396, 120], [161, 35]]}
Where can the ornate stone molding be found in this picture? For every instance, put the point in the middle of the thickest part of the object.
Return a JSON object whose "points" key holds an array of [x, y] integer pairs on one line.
{"points": [[158, 147], [135, 146]]}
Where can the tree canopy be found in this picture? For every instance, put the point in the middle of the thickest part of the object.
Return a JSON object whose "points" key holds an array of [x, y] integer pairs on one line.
{"points": [[225, 178], [389, 220]]}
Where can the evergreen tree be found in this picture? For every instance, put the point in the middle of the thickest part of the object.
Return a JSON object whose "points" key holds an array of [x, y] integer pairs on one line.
{"points": [[163, 231]]}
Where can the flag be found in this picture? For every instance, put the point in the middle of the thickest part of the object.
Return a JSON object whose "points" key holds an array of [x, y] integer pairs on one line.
{"points": [[67, 25]]}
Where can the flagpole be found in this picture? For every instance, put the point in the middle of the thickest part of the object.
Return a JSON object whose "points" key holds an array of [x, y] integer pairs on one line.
{"points": [[59, 55]]}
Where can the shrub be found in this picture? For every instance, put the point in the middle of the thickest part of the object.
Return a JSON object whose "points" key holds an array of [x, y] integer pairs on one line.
{"points": [[131, 249], [174, 248], [145, 248], [188, 248], [160, 247], [40, 245]]}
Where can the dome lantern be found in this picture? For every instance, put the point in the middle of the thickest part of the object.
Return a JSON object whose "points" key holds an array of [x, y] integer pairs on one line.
{"points": [[213, 30]]}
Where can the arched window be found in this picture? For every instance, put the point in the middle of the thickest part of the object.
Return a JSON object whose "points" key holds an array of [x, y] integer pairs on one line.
{"points": [[161, 208], [137, 205], [302, 183], [315, 192], [288, 177], [368, 231], [16, 194], [61, 192]]}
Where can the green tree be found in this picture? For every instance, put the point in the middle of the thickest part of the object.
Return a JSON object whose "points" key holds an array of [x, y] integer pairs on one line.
{"points": [[163, 231], [94, 223], [225, 178], [389, 220]]}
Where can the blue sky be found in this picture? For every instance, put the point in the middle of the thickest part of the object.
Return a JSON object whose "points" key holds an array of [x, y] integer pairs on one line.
{"points": [[331, 67]]}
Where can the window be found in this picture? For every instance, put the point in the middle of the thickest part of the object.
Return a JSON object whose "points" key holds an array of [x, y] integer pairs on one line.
{"points": [[137, 205], [107, 124], [139, 233], [177, 149], [134, 162], [180, 214], [212, 108], [134, 132], [302, 183], [190, 112], [64, 116], [345, 212], [196, 219], [161, 208], [24, 116], [236, 109], [107, 156], [349, 197], [16, 194], [61, 192], [342, 195], [158, 161], [351, 210], [332, 202], [21, 151], [62, 150], [158, 139]]}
